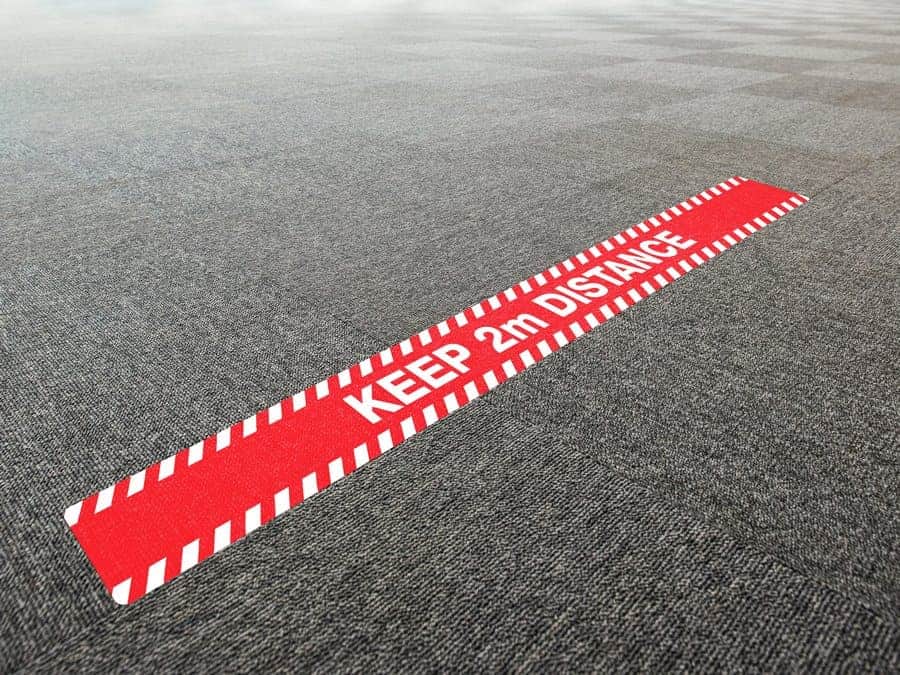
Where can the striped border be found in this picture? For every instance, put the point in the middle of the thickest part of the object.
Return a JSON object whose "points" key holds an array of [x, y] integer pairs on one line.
{"points": [[228, 532]]}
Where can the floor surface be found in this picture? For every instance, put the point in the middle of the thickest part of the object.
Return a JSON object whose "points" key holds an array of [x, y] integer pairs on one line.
{"points": [[201, 214]]}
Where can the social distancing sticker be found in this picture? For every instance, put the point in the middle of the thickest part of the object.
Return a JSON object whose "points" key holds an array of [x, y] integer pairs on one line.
{"points": [[150, 527]]}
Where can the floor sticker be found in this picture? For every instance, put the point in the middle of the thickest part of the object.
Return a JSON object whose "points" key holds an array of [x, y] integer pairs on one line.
{"points": [[148, 528]]}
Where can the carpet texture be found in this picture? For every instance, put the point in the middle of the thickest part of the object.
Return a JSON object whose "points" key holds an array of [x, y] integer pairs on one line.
{"points": [[202, 214]]}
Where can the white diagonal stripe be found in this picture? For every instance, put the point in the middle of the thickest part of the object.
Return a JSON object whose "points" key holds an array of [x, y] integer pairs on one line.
{"points": [[222, 536], [274, 413], [471, 391], [72, 514], [104, 499], [156, 575], [336, 469], [322, 389], [430, 415], [298, 400], [282, 501], [195, 452], [223, 439], [365, 367], [190, 555], [385, 442], [252, 518], [136, 482], [361, 455], [310, 485], [166, 467], [249, 427], [527, 358], [120, 592], [451, 403]]}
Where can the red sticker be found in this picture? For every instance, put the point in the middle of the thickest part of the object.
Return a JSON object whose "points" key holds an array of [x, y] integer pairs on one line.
{"points": [[148, 528]]}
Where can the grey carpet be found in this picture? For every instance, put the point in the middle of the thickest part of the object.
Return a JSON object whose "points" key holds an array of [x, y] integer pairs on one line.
{"points": [[201, 214]]}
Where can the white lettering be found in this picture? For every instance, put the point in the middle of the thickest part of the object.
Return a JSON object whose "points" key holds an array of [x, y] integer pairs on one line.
{"points": [[556, 303]]}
